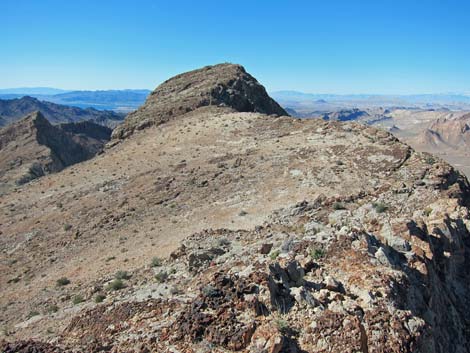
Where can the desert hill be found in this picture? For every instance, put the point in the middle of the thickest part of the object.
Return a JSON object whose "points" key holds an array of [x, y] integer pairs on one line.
{"points": [[13, 109], [32, 147], [220, 86], [219, 230]]}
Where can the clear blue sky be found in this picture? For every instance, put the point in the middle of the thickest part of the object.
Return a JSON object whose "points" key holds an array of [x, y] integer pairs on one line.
{"points": [[377, 46]]}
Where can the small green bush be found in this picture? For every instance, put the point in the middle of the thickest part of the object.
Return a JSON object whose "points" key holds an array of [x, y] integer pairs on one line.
{"points": [[63, 281], [282, 325], [380, 207], [122, 275], [428, 211], [67, 227], [156, 262], [274, 254], [430, 160], [32, 314], [99, 298], [116, 284], [338, 206], [317, 254], [161, 276], [77, 299]]}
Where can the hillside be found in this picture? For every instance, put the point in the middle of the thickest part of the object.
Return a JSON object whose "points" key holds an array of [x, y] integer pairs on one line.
{"points": [[13, 109], [31, 147], [213, 229]]}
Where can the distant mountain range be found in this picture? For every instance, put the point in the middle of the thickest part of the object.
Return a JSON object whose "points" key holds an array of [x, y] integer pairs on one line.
{"points": [[413, 98], [118, 100], [12, 110], [305, 103]]}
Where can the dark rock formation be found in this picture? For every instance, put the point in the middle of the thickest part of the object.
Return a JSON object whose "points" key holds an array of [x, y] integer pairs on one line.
{"points": [[222, 86]]}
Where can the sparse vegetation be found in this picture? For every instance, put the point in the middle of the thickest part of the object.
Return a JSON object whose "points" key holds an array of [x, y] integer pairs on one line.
{"points": [[156, 262], [63, 281], [282, 325], [317, 253], [430, 160], [122, 275], [116, 284], [338, 206], [380, 207], [274, 254], [428, 211], [67, 227], [100, 298], [33, 314], [52, 309], [161, 276], [77, 299], [223, 242]]}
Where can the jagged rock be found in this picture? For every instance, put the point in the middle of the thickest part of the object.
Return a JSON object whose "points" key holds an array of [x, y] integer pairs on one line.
{"points": [[198, 259], [265, 248]]}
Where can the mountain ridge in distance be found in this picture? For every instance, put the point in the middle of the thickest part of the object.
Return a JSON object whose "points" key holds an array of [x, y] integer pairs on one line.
{"points": [[125, 100], [15, 109]]}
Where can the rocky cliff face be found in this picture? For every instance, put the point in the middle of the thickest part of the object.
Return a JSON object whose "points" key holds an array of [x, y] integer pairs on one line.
{"points": [[241, 232], [32, 147], [220, 86], [447, 134]]}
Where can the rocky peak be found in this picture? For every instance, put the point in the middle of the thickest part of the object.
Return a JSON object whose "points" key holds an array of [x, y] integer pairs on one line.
{"points": [[224, 86]]}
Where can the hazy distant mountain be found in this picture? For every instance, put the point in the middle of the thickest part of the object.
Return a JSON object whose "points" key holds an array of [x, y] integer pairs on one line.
{"points": [[32, 91], [119, 100], [303, 102], [123, 100], [13, 109]]}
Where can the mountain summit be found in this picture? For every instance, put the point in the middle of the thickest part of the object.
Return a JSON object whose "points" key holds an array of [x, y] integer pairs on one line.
{"points": [[226, 86]]}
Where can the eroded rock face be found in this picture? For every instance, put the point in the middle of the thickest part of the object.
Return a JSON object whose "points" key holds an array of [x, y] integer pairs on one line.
{"points": [[32, 147], [224, 86]]}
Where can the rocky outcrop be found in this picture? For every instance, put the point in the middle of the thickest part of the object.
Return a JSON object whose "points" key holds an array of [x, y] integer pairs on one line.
{"points": [[226, 86], [346, 115], [447, 133], [14, 109], [32, 147]]}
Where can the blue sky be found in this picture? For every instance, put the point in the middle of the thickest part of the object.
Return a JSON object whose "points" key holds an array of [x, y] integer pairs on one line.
{"points": [[378, 46]]}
